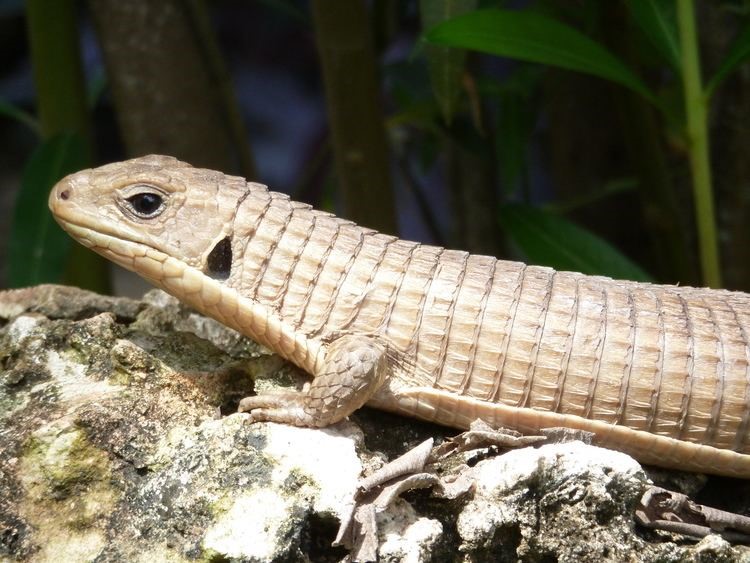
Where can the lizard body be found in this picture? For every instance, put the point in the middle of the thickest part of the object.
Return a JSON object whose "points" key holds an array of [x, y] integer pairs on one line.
{"points": [[660, 372]]}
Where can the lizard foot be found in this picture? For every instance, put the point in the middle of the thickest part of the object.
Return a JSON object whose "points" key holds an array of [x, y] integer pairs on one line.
{"points": [[354, 368], [287, 408]]}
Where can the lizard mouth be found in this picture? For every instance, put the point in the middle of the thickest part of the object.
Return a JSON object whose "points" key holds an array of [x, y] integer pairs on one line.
{"points": [[131, 255], [87, 237]]}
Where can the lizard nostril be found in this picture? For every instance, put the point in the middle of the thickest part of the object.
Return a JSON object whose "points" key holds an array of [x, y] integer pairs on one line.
{"points": [[65, 194]]}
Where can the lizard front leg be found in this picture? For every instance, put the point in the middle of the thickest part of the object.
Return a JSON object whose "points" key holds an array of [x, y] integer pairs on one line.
{"points": [[353, 370]]}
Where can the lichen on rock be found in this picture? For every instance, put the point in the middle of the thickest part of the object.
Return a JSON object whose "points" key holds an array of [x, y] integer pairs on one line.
{"points": [[119, 442]]}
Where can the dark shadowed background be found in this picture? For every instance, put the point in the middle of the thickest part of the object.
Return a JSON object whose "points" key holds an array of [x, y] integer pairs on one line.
{"points": [[584, 135]]}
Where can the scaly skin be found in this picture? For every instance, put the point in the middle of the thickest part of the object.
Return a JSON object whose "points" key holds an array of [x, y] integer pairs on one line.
{"points": [[660, 372]]}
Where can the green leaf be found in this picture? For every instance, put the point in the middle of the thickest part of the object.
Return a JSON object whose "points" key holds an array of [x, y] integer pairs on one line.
{"points": [[531, 37], [446, 65], [13, 112], [550, 240], [515, 119], [657, 20], [38, 247], [738, 53]]}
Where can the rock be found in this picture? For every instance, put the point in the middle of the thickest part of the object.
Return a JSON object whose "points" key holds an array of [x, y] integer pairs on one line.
{"points": [[119, 442], [562, 490]]}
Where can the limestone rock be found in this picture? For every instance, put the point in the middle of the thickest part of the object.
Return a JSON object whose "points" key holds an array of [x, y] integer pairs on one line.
{"points": [[119, 442]]}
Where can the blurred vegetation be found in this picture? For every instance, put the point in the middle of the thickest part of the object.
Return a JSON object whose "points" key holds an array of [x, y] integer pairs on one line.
{"points": [[603, 137], [38, 250]]}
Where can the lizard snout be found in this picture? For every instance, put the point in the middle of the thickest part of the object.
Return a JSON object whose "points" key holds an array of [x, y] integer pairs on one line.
{"points": [[61, 193]]}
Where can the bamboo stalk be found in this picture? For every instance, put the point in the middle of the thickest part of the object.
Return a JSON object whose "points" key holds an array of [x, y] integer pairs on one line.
{"points": [[61, 104], [696, 112]]}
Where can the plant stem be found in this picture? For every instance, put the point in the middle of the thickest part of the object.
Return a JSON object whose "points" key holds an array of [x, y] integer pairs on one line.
{"points": [[355, 115], [696, 103], [61, 104], [58, 75]]}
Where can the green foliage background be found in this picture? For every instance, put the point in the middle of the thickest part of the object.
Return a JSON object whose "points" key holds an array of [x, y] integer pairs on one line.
{"points": [[462, 107]]}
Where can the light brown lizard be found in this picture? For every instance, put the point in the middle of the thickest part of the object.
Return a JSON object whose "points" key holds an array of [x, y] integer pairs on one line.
{"points": [[660, 372]]}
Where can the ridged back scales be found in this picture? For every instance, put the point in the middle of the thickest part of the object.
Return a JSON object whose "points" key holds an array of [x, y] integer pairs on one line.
{"points": [[667, 360]]}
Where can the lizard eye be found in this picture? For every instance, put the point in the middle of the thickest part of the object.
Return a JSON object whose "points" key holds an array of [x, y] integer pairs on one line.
{"points": [[146, 205]]}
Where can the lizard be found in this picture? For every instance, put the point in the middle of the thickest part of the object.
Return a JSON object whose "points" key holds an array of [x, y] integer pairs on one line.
{"points": [[660, 372]]}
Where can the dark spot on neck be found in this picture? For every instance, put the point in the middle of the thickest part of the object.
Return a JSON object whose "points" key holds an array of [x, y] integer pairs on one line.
{"points": [[219, 262]]}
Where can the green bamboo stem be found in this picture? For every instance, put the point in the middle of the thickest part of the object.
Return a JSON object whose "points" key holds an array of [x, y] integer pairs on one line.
{"points": [[61, 104], [58, 76], [696, 112]]}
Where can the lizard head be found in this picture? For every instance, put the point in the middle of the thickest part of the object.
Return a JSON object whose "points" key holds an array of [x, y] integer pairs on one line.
{"points": [[147, 211]]}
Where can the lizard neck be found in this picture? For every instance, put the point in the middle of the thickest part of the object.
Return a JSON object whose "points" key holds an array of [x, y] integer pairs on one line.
{"points": [[253, 319]]}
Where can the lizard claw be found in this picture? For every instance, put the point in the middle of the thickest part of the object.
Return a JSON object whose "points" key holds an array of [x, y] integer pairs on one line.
{"points": [[286, 408]]}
